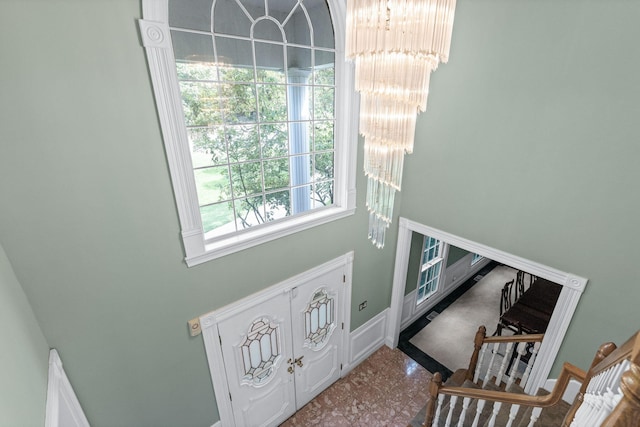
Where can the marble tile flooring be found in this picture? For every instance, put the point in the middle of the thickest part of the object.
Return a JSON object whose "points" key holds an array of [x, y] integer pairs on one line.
{"points": [[387, 389]]}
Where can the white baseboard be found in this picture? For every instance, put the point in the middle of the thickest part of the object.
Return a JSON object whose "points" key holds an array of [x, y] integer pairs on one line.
{"points": [[573, 388], [63, 408], [365, 340]]}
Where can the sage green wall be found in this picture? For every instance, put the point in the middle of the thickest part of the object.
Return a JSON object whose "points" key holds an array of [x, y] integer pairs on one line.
{"points": [[24, 357], [537, 107], [532, 140], [455, 255], [413, 266], [89, 223]]}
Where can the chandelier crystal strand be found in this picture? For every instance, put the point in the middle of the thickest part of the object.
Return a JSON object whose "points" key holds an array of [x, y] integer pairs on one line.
{"points": [[395, 45]]}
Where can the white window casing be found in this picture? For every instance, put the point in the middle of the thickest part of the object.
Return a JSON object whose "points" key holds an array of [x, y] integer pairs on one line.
{"points": [[156, 39]]}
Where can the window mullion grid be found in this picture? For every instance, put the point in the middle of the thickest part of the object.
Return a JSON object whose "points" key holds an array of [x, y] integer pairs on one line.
{"points": [[259, 121], [285, 55], [224, 128], [313, 179]]}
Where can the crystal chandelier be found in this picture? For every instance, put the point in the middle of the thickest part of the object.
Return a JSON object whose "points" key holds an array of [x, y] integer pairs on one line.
{"points": [[395, 45]]}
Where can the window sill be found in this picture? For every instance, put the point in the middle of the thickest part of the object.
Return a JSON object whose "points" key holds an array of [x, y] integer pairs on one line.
{"points": [[235, 243]]}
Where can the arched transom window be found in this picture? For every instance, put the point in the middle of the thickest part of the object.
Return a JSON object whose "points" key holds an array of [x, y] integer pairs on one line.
{"points": [[256, 81]]}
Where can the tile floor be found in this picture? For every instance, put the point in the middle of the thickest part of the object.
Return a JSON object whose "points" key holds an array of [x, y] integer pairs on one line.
{"points": [[387, 389]]}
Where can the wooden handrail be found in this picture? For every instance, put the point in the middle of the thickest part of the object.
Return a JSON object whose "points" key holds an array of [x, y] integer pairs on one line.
{"points": [[568, 371], [515, 338], [602, 354], [627, 412], [482, 338], [625, 351]]}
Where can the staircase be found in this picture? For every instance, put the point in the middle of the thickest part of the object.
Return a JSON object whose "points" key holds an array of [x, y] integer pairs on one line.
{"points": [[492, 393]]}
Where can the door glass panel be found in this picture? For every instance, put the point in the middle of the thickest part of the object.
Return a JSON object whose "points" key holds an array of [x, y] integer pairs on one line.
{"points": [[260, 350], [319, 320]]}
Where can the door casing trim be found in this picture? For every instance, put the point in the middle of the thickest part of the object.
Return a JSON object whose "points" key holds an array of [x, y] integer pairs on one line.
{"points": [[572, 289], [209, 323]]}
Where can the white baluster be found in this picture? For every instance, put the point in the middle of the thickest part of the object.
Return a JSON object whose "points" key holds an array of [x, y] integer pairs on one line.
{"points": [[479, 365], [532, 359], [452, 405], [487, 376], [503, 365], [535, 413], [463, 414], [598, 403], [494, 414], [521, 351], [585, 410], [436, 417], [479, 409], [608, 399], [512, 414], [624, 366]]}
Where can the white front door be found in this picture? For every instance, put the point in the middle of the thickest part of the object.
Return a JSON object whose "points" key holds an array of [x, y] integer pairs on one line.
{"points": [[284, 348], [317, 334], [256, 345]]}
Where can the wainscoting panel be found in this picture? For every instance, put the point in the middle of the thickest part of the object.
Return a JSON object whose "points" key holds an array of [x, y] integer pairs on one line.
{"points": [[365, 340]]}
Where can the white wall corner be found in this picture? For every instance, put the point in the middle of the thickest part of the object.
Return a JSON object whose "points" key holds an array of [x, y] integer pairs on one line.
{"points": [[365, 340], [573, 388], [217, 424], [63, 408]]}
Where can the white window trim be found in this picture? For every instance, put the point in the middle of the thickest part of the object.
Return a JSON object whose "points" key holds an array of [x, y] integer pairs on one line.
{"points": [[476, 258], [443, 252], [156, 39]]}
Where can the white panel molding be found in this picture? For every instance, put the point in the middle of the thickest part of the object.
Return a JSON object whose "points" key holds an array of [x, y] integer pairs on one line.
{"points": [[209, 324], [63, 408], [408, 309], [411, 312], [573, 286], [367, 339]]}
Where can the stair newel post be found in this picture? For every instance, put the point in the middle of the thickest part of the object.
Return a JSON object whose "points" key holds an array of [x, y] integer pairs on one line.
{"points": [[434, 387], [477, 345], [627, 412], [602, 353]]}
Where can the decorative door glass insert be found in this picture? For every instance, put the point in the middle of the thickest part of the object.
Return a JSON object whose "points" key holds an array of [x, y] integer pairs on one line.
{"points": [[260, 351], [319, 320]]}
